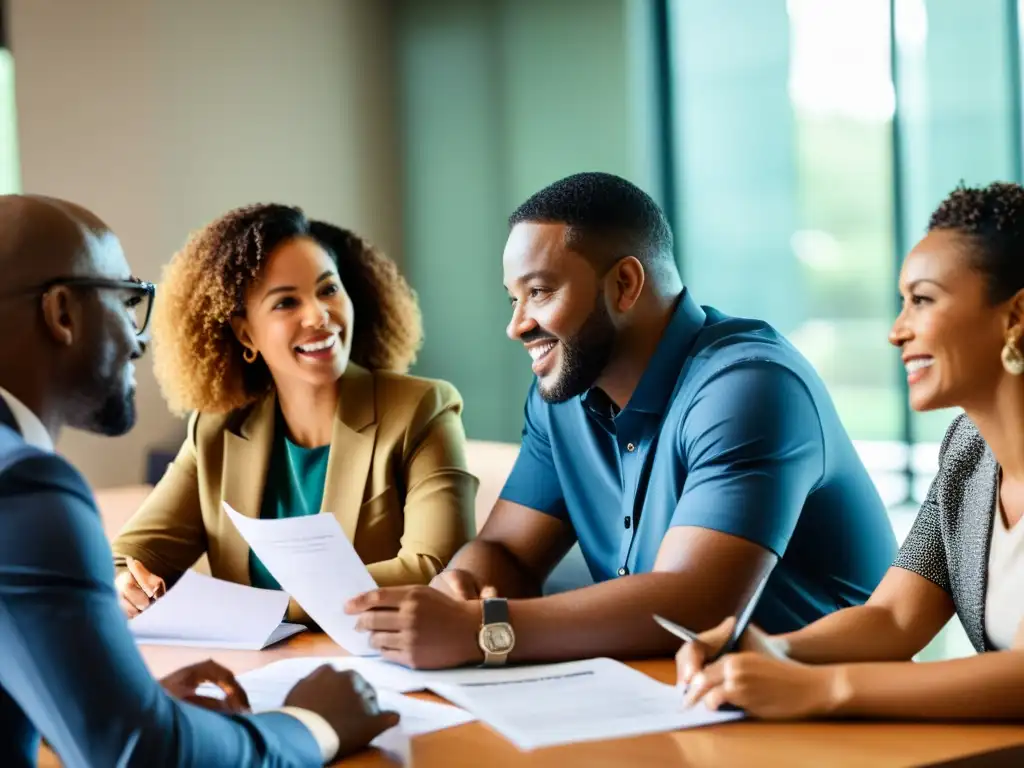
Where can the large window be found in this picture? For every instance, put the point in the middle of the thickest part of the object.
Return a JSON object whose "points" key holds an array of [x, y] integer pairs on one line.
{"points": [[812, 139]]}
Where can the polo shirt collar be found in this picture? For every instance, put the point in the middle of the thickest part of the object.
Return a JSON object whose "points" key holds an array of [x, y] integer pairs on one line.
{"points": [[659, 379]]}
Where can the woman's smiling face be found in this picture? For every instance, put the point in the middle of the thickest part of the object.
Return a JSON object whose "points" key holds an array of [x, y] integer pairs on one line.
{"points": [[949, 332], [298, 316]]}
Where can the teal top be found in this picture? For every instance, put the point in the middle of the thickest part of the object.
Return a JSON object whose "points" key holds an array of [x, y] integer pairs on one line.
{"points": [[294, 487]]}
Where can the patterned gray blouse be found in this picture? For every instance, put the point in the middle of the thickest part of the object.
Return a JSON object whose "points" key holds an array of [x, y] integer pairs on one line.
{"points": [[949, 542]]}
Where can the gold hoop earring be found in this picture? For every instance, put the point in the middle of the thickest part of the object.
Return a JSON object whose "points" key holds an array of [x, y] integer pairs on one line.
{"points": [[1013, 358], [249, 355]]}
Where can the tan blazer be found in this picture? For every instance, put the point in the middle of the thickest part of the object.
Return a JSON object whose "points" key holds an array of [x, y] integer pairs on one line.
{"points": [[396, 481]]}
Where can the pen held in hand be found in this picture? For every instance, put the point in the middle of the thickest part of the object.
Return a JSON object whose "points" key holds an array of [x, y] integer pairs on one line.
{"points": [[681, 632]]}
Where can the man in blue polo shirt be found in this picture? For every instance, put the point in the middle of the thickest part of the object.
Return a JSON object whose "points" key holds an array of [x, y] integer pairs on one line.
{"points": [[688, 452]]}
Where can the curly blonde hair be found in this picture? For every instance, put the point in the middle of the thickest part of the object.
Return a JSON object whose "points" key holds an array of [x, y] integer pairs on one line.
{"points": [[197, 358]]}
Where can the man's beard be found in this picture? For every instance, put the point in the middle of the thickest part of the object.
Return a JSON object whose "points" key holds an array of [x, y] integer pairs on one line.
{"points": [[584, 356], [116, 416], [105, 407]]}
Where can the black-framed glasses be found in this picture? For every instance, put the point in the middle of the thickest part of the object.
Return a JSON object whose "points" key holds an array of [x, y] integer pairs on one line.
{"points": [[139, 303]]}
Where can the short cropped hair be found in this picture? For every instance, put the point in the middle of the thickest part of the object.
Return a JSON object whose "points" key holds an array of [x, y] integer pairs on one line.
{"points": [[607, 218], [992, 218]]}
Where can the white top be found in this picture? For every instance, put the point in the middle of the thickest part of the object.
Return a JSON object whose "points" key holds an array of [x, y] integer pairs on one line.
{"points": [[1004, 606], [29, 425]]}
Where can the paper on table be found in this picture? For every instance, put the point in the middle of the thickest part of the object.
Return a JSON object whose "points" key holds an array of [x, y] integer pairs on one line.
{"points": [[315, 563], [202, 611], [395, 745], [419, 716], [268, 686], [577, 701]]}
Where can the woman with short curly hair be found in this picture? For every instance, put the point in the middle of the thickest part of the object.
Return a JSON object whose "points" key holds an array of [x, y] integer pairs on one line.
{"points": [[288, 341], [959, 335]]}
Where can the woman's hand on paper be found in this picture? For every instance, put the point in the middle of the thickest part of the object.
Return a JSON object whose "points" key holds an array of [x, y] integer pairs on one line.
{"points": [[692, 656], [138, 587], [766, 687], [759, 679]]}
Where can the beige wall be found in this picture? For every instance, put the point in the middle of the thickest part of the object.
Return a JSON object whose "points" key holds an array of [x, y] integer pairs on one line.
{"points": [[159, 116]]}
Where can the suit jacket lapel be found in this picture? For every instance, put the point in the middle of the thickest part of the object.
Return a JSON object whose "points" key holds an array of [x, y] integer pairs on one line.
{"points": [[352, 442], [243, 479]]}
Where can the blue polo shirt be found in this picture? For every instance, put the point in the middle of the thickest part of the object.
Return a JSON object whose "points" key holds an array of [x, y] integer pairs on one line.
{"points": [[731, 429]]}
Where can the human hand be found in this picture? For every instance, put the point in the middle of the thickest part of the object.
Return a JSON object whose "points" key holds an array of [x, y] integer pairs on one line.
{"points": [[766, 687], [462, 585], [420, 627], [183, 684], [693, 656], [138, 587], [347, 702]]}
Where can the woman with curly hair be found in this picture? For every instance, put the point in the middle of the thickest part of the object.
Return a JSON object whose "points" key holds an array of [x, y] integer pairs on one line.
{"points": [[288, 341], [959, 334]]}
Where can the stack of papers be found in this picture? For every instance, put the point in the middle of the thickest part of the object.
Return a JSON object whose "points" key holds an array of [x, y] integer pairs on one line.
{"points": [[578, 701], [532, 706], [202, 611], [268, 687], [315, 563]]}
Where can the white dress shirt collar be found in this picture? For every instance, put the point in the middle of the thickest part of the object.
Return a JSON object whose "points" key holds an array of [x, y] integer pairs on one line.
{"points": [[29, 425]]}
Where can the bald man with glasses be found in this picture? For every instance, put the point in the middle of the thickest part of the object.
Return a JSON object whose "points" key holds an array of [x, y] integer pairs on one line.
{"points": [[73, 321]]}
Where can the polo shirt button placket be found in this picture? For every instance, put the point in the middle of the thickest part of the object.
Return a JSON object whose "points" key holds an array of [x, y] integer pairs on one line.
{"points": [[623, 571]]}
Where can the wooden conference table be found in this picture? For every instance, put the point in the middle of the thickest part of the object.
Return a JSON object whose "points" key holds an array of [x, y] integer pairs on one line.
{"points": [[793, 745]]}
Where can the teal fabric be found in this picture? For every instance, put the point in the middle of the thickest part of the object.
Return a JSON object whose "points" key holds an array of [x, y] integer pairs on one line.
{"points": [[294, 488]]}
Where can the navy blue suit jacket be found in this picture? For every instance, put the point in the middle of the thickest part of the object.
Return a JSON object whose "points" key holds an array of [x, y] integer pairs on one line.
{"points": [[69, 667]]}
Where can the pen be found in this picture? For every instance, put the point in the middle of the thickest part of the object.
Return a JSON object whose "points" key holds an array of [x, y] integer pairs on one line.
{"points": [[681, 632], [742, 620]]}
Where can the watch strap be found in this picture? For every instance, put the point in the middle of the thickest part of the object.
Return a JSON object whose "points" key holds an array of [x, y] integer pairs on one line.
{"points": [[495, 610]]}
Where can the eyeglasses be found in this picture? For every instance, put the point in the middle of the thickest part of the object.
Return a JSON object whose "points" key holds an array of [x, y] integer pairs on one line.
{"points": [[139, 303]]}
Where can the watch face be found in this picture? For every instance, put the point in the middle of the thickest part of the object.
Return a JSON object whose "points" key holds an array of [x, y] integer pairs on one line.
{"points": [[497, 638]]}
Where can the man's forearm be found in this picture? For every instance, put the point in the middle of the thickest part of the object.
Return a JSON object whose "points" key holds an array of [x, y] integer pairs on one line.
{"points": [[492, 565], [613, 618]]}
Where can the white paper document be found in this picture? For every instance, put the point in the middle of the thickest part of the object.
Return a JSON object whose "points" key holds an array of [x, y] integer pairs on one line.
{"points": [[419, 716], [202, 611], [314, 562], [268, 687], [537, 707], [396, 746]]}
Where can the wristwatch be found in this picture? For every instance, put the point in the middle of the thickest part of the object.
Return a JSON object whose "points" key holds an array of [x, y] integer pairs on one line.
{"points": [[496, 637]]}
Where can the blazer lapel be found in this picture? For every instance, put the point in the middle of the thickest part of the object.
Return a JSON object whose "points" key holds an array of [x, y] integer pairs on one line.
{"points": [[980, 493], [243, 478], [352, 442]]}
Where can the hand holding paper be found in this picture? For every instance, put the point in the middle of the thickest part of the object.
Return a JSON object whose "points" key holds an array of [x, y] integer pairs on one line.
{"points": [[316, 564]]}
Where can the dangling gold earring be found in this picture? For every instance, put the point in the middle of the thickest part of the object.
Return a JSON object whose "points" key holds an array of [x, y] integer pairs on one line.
{"points": [[249, 355], [1013, 358]]}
